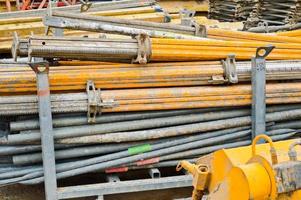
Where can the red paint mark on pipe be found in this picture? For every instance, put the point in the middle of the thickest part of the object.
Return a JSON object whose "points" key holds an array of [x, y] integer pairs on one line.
{"points": [[148, 161], [117, 170]]}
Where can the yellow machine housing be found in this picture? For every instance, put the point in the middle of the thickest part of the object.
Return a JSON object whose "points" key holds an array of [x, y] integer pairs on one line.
{"points": [[258, 172]]}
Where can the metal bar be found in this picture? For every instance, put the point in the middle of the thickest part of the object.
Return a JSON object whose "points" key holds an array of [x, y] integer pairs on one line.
{"points": [[99, 6], [125, 187], [47, 141], [259, 90]]}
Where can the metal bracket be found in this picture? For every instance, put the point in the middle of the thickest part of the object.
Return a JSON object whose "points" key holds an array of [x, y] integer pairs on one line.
{"points": [[95, 103], [259, 90], [229, 66], [144, 49], [45, 119], [40, 67]]}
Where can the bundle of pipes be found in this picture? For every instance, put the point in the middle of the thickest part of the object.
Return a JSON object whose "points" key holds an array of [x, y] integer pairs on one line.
{"points": [[143, 49], [153, 98], [255, 13], [121, 26], [258, 38], [231, 10], [100, 6], [25, 25], [112, 75], [27, 22], [128, 141], [134, 27]]}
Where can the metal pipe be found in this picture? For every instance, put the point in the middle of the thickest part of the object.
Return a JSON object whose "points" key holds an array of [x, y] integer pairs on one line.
{"points": [[293, 124], [275, 135], [156, 99], [77, 152], [103, 129], [169, 131], [78, 164], [118, 26], [64, 78], [63, 121], [100, 6], [77, 131], [134, 158], [13, 150]]}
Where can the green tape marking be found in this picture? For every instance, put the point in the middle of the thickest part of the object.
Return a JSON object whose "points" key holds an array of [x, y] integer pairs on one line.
{"points": [[140, 149]]}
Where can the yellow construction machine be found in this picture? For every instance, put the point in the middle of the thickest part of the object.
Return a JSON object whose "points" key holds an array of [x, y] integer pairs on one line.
{"points": [[268, 171]]}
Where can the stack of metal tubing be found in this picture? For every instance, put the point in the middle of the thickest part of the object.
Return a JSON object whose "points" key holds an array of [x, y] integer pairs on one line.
{"points": [[159, 49], [20, 79], [107, 24], [128, 141], [231, 10], [151, 44], [123, 100], [27, 22], [280, 12], [144, 115], [95, 7]]}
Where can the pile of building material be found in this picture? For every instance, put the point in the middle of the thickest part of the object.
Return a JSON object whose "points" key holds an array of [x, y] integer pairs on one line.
{"points": [[146, 94], [19, 78], [128, 141], [231, 10], [30, 22], [256, 13]]}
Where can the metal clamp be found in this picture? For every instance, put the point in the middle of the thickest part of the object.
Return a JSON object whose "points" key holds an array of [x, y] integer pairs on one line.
{"points": [[264, 25], [95, 103], [200, 30], [229, 66], [144, 49], [217, 79], [167, 17], [15, 46], [187, 17], [86, 5], [187, 20]]}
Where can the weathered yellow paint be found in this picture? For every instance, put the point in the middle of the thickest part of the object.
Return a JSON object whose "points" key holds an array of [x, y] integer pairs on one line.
{"points": [[238, 174]]}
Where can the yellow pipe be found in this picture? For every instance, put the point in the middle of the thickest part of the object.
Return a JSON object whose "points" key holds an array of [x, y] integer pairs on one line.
{"points": [[252, 36]]}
